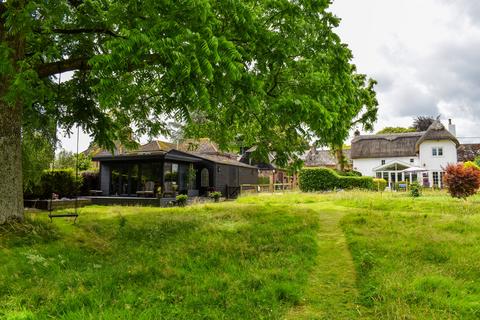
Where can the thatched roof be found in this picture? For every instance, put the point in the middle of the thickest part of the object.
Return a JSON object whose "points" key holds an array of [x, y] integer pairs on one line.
{"points": [[385, 145], [323, 158], [398, 144], [436, 132]]}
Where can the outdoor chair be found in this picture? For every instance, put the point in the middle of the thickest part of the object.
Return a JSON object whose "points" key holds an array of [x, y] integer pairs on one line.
{"points": [[148, 189], [169, 190]]}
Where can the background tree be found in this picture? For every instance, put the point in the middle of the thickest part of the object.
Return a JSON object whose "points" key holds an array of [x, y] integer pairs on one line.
{"points": [[68, 160], [37, 155], [421, 123], [396, 130], [271, 70]]}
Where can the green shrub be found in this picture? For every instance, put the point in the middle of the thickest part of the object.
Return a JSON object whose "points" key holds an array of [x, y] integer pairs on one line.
{"points": [[379, 184], [415, 190], [215, 195], [263, 180], [182, 199], [323, 179], [60, 181], [348, 173], [90, 181], [471, 164]]}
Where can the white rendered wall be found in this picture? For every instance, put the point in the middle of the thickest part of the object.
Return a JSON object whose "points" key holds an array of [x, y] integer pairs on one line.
{"points": [[366, 165], [432, 163]]}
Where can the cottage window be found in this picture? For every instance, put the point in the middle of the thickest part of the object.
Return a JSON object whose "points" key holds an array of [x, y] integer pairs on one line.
{"points": [[412, 160], [437, 151], [204, 177], [383, 162]]}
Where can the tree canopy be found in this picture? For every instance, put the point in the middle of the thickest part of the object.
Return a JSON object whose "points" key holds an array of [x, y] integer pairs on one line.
{"points": [[273, 72]]}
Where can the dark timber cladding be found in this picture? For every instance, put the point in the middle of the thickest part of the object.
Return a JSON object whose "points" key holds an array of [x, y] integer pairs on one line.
{"points": [[144, 171]]}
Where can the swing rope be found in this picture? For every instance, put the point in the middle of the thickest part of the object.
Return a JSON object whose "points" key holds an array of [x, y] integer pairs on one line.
{"points": [[73, 214]]}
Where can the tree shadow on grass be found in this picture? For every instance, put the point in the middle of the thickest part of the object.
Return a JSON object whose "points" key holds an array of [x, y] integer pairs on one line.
{"points": [[26, 233]]}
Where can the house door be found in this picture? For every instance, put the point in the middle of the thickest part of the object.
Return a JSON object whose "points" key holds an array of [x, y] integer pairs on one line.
{"points": [[393, 179]]}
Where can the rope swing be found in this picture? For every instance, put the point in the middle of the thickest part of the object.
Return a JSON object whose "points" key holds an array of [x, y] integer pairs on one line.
{"points": [[67, 214]]}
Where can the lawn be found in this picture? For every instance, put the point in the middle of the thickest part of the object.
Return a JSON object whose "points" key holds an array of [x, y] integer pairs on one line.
{"points": [[346, 255]]}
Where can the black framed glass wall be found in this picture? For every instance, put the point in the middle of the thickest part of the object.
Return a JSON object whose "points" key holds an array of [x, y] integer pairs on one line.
{"points": [[176, 176], [128, 178]]}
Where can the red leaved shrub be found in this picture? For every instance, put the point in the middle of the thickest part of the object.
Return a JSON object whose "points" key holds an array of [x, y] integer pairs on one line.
{"points": [[462, 181]]}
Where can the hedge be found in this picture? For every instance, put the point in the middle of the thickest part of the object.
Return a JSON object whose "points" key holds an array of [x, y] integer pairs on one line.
{"points": [[60, 181], [323, 179], [90, 181], [348, 173]]}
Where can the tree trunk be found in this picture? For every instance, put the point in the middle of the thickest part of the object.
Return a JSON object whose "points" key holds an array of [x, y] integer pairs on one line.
{"points": [[11, 182], [340, 159]]}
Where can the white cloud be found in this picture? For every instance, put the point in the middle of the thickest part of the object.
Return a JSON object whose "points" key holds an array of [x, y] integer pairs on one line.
{"points": [[423, 53]]}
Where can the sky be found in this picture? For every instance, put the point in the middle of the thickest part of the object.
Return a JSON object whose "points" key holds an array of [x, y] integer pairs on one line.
{"points": [[425, 55]]}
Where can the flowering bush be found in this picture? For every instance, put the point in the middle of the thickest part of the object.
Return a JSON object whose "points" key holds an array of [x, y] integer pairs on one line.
{"points": [[462, 180]]}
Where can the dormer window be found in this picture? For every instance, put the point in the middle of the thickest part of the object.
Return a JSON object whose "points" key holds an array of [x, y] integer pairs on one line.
{"points": [[437, 151], [383, 162]]}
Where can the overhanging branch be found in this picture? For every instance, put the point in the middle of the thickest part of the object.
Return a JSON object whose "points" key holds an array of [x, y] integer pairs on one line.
{"points": [[51, 68], [81, 63]]}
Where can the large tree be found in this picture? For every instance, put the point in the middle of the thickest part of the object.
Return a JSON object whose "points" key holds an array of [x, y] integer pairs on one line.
{"points": [[273, 71], [421, 123]]}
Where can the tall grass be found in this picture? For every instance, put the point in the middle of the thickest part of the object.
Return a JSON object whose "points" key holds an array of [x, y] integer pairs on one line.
{"points": [[338, 255], [212, 261]]}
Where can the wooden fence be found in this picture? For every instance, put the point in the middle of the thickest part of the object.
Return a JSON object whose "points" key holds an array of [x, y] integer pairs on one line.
{"points": [[258, 188]]}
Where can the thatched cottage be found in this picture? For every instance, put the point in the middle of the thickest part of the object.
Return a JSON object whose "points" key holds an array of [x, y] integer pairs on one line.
{"points": [[413, 156]]}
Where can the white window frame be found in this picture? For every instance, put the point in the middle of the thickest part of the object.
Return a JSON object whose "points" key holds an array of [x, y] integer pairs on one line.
{"points": [[437, 152]]}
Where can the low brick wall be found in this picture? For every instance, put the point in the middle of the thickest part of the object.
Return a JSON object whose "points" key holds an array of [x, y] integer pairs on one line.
{"points": [[127, 201], [56, 204]]}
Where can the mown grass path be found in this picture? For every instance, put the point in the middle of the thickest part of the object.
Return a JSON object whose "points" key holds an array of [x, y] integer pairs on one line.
{"points": [[331, 292]]}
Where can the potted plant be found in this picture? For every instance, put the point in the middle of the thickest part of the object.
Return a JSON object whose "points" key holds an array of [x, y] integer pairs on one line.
{"points": [[174, 189], [215, 195], [159, 192], [191, 177]]}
